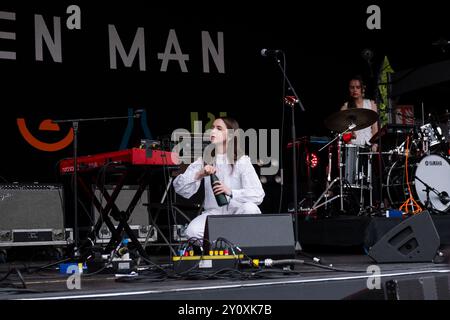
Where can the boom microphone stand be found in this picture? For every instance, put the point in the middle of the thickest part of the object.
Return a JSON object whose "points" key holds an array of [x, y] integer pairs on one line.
{"points": [[75, 125], [443, 196], [368, 56], [266, 52]]}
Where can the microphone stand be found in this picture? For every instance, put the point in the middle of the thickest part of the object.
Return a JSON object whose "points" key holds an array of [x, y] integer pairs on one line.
{"points": [[429, 205], [294, 151], [379, 153], [75, 125]]}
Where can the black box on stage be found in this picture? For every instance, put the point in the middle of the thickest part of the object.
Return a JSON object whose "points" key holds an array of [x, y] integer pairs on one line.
{"points": [[32, 215], [258, 235], [139, 220], [413, 240]]}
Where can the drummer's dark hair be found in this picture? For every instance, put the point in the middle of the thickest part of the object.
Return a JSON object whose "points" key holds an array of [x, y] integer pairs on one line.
{"points": [[351, 103]]}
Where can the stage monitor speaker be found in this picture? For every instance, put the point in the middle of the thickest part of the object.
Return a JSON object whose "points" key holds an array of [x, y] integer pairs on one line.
{"points": [[258, 235], [413, 240], [32, 214], [423, 288]]}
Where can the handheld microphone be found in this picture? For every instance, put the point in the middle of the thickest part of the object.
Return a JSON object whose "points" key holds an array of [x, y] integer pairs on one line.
{"points": [[269, 53]]}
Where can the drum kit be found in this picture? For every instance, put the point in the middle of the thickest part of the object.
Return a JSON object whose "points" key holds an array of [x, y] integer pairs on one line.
{"points": [[417, 168]]}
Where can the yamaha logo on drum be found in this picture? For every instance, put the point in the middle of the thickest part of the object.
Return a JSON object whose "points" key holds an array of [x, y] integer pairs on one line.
{"points": [[433, 163]]}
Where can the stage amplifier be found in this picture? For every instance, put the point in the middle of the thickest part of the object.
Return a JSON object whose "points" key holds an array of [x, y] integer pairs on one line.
{"points": [[32, 215]]}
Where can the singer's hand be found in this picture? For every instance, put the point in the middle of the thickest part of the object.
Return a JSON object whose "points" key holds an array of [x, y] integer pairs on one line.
{"points": [[219, 188], [206, 171]]}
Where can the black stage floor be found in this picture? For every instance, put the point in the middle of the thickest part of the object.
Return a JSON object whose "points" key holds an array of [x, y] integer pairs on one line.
{"points": [[396, 281], [344, 272]]}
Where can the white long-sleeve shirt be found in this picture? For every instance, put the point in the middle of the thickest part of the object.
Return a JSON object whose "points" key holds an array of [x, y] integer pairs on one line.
{"points": [[242, 180]]}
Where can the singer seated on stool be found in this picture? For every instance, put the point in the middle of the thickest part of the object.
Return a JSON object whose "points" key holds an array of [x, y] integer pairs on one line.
{"points": [[238, 180]]}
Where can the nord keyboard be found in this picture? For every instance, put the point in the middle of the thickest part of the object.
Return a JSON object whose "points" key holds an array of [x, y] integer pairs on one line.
{"points": [[135, 156]]}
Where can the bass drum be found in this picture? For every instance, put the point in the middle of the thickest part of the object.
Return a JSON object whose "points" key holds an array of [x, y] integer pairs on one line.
{"points": [[434, 170]]}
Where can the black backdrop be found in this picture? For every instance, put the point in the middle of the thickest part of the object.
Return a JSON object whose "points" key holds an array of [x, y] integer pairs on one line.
{"points": [[322, 42]]}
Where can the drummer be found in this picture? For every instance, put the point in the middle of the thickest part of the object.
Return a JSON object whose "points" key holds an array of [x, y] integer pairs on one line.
{"points": [[356, 100]]}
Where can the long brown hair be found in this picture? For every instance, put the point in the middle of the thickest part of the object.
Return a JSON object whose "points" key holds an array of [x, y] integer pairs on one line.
{"points": [[232, 124], [351, 104]]}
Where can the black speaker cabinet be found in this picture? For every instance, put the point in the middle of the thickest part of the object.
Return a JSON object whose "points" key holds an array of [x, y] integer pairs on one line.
{"points": [[258, 235], [31, 215], [413, 240]]}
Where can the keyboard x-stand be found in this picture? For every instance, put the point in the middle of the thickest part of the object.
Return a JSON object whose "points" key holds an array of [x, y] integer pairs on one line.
{"points": [[136, 164]]}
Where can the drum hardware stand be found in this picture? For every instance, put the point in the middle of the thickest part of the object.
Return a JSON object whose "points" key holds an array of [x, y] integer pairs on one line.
{"points": [[368, 181], [330, 159], [415, 207], [316, 205], [361, 200]]}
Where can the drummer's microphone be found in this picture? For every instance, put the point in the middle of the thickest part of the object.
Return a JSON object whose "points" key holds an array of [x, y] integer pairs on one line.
{"points": [[443, 196], [270, 53], [137, 113], [367, 55]]}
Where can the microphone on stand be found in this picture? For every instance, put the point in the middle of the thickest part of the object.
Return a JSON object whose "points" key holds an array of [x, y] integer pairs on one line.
{"points": [[270, 53], [442, 43], [367, 55], [137, 113], [443, 197]]}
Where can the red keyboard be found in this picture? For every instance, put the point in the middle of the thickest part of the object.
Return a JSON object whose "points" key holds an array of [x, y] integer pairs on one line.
{"points": [[133, 156]]}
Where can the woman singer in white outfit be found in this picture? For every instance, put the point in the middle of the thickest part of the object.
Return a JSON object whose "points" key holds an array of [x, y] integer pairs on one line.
{"points": [[238, 180]]}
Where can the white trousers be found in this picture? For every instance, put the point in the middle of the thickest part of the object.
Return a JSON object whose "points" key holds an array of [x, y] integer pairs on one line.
{"points": [[197, 226]]}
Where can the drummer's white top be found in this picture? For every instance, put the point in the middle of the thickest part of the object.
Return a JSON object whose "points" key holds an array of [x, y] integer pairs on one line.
{"points": [[363, 136]]}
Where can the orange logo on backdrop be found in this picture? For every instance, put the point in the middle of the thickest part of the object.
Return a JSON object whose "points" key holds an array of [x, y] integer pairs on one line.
{"points": [[46, 125]]}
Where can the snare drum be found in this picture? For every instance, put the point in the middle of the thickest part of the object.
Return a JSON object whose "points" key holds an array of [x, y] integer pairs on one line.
{"points": [[357, 165]]}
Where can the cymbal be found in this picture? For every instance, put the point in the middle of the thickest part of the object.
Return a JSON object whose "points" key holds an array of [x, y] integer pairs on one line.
{"points": [[341, 120]]}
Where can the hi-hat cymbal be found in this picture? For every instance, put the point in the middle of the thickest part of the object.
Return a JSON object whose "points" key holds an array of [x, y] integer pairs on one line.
{"points": [[341, 120]]}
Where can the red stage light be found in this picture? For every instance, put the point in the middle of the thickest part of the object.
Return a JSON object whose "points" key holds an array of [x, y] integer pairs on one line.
{"points": [[312, 160]]}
